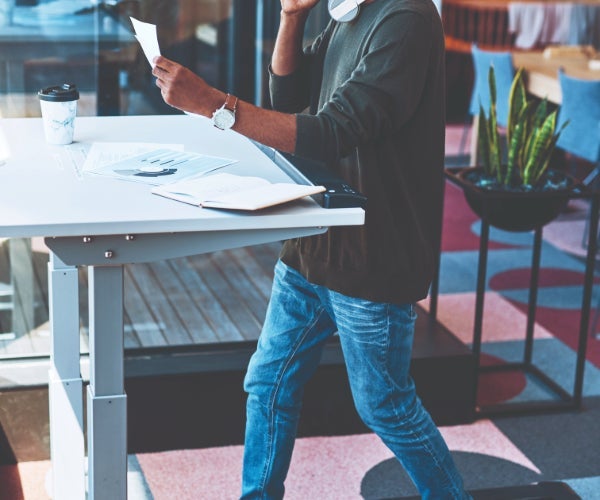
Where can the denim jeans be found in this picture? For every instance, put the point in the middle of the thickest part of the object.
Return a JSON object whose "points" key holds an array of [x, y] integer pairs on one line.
{"points": [[376, 340]]}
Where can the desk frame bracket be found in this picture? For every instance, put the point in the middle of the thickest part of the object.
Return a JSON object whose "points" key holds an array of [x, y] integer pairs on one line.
{"points": [[118, 249]]}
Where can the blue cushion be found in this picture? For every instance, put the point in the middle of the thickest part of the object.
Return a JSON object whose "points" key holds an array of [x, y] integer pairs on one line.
{"points": [[581, 106]]}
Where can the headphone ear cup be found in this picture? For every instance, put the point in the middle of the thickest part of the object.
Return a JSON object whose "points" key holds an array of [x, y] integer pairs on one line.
{"points": [[343, 11]]}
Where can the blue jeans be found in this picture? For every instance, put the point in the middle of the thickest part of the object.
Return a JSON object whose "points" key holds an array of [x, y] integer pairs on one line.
{"points": [[376, 340]]}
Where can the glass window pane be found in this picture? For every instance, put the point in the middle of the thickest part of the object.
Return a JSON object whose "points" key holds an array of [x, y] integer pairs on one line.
{"points": [[45, 43], [90, 43]]}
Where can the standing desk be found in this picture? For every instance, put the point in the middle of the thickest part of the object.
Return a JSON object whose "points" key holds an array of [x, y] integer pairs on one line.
{"points": [[104, 223]]}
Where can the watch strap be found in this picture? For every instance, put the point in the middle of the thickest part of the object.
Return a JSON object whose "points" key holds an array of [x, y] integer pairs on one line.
{"points": [[231, 102]]}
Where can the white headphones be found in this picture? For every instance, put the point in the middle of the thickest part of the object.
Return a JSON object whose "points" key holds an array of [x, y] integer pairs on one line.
{"points": [[344, 11]]}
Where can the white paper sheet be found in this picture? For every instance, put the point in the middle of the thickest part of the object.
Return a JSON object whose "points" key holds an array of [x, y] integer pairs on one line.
{"points": [[146, 35]]}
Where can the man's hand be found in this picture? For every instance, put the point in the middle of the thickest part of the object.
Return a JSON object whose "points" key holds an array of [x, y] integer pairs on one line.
{"points": [[183, 89], [293, 7]]}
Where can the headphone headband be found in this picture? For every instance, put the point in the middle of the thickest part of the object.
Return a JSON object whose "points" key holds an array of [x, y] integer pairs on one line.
{"points": [[344, 10]]}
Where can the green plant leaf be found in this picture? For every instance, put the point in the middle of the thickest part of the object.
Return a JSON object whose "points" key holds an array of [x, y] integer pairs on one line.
{"points": [[519, 144], [513, 151], [492, 84], [517, 100], [494, 141], [541, 113], [542, 146], [484, 141], [495, 152], [531, 136], [546, 161]]}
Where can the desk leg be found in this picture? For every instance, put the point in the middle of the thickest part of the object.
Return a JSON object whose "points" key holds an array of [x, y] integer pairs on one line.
{"points": [[65, 383], [107, 402]]}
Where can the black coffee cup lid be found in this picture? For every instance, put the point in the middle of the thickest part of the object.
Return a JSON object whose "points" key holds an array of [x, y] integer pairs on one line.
{"points": [[59, 93]]}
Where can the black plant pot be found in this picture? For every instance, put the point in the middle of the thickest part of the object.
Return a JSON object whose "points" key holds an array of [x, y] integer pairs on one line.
{"points": [[514, 208]]}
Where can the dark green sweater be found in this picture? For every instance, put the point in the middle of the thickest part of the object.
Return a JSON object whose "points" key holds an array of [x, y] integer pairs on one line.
{"points": [[376, 95]]}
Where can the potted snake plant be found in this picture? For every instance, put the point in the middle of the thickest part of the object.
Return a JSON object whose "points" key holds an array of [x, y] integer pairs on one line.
{"points": [[514, 188]]}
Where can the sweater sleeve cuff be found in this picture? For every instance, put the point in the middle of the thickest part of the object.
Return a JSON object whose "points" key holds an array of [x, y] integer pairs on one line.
{"points": [[309, 137], [284, 92]]}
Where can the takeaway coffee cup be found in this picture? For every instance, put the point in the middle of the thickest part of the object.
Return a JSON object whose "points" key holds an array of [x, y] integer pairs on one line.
{"points": [[59, 107]]}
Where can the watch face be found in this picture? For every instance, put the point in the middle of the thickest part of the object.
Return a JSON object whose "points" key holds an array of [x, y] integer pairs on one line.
{"points": [[223, 118]]}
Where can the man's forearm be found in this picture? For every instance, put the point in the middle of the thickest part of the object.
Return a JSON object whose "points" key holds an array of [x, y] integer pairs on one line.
{"points": [[271, 128], [287, 53], [184, 90]]}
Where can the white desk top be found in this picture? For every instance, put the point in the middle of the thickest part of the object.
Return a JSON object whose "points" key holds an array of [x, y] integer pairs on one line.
{"points": [[39, 196]]}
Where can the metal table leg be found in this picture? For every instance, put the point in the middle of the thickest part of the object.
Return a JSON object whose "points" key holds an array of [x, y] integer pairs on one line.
{"points": [[65, 383], [107, 402]]}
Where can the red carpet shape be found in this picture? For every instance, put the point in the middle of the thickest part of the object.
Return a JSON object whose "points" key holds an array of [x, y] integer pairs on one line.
{"points": [[496, 387]]}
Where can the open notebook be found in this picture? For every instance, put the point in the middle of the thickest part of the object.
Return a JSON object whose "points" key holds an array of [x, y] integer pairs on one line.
{"points": [[234, 192]]}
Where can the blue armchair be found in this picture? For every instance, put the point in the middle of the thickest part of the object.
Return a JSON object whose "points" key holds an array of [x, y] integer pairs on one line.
{"points": [[581, 107]]}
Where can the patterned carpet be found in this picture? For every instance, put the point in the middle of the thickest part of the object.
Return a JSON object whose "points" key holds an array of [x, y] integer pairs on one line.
{"points": [[560, 446]]}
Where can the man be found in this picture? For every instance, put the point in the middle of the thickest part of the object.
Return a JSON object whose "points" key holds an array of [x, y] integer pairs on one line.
{"points": [[375, 89]]}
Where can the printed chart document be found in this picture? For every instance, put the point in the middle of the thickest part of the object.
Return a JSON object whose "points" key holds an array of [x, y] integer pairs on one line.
{"points": [[100, 154], [234, 192], [161, 166], [84, 158]]}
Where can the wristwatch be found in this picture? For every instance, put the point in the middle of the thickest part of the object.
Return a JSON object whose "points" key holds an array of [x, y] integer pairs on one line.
{"points": [[224, 117]]}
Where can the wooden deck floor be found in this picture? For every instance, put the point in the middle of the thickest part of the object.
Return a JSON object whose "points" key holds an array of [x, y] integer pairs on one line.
{"points": [[210, 298], [193, 321]]}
